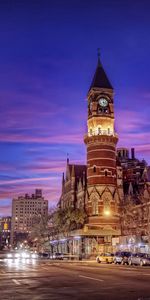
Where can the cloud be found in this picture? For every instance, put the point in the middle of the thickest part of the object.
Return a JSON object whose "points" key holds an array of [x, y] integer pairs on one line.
{"points": [[5, 210], [134, 130], [129, 121], [14, 181], [41, 158], [55, 139]]}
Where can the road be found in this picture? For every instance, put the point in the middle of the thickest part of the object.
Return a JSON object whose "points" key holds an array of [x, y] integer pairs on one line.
{"points": [[53, 280]]}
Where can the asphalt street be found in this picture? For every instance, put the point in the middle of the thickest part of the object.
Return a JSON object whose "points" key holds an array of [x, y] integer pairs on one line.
{"points": [[53, 280]]}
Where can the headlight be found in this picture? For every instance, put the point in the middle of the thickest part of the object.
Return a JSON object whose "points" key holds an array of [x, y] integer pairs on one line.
{"points": [[9, 255], [25, 255], [17, 255]]}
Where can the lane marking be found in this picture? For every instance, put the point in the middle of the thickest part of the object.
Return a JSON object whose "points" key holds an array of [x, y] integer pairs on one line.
{"points": [[46, 268], [96, 279], [16, 281]]}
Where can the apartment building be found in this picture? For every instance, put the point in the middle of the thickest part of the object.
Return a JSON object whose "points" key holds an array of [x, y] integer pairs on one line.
{"points": [[24, 210]]}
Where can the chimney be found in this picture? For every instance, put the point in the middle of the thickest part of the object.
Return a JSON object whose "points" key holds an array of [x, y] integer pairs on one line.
{"points": [[132, 153]]}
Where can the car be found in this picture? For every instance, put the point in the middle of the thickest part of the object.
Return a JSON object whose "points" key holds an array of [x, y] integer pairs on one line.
{"points": [[141, 259], [122, 257], [62, 256], [58, 256], [43, 254], [105, 257], [23, 254]]}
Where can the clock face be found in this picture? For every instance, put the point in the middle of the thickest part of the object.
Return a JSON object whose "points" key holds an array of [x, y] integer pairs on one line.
{"points": [[103, 102]]}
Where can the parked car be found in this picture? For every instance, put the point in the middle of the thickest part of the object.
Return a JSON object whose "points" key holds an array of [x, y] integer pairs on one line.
{"points": [[141, 259], [105, 257], [122, 257], [43, 254], [57, 255], [64, 256]]}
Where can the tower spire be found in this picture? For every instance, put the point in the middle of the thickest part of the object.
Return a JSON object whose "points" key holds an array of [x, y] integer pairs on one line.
{"points": [[100, 79], [67, 158]]}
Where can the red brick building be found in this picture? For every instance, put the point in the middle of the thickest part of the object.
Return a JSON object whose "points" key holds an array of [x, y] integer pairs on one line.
{"points": [[102, 186]]}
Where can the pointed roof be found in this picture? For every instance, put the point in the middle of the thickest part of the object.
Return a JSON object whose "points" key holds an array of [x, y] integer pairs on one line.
{"points": [[100, 79], [79, 170]]}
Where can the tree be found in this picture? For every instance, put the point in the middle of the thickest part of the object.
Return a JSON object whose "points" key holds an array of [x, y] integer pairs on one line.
{"points": [[68, 219], [39, 234]]}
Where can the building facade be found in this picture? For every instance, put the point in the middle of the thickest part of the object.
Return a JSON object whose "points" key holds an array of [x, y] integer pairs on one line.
{"points": [[97, 186], [5, 229], [24, 210], [111, 187]]}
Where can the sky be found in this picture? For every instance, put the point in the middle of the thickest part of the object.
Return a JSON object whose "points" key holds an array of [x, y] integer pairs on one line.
{"points": [[48, 56]]}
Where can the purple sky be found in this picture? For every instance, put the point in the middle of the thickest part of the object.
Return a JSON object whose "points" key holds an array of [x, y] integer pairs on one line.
{"points": [[47, 61]]}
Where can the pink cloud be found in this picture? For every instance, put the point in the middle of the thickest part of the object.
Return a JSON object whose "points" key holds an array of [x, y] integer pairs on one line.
{"points": [[131, 120], [58, 139], [5, 210], [22, 180]]}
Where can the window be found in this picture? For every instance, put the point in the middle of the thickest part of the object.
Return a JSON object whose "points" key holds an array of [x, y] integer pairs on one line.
{"points": [[90, 131], [108, 130], [99, 130], [106, 173], [94, 169], [95, 206]]}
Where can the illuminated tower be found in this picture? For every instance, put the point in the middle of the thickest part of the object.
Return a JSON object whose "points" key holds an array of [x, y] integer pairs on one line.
{"points": [[102, 195]]}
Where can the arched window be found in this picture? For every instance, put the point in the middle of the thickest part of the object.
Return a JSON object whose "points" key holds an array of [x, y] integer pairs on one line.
{"points": [[94, 169], [106, 173], [99, 130], [95, 206]]}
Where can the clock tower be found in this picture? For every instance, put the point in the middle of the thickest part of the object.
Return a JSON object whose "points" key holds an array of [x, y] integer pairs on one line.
{"points": [[102, 200]]}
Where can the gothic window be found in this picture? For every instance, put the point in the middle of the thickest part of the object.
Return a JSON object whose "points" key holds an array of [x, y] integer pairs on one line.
{"points": [[102, 110], [106, 205], [95, 206], [99, 130], [106, 173], [80, 203], [94, 169]]}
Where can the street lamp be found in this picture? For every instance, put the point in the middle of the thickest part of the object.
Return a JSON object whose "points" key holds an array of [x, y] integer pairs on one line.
{"points": [[107, 212]]}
